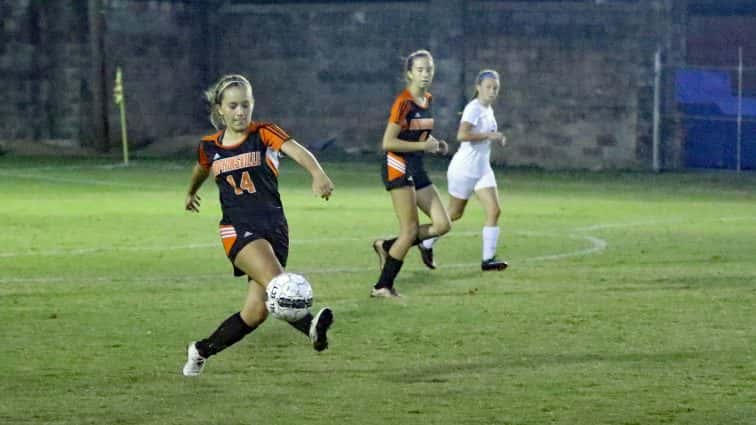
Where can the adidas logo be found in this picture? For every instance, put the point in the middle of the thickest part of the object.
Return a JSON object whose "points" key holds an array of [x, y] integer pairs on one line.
{"points": [[216, 156], [247, 234], [417, 114]]}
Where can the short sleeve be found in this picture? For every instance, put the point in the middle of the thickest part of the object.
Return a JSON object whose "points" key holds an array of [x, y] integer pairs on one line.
{"points": [[202, 158], [399, 111], [273, 136], [471, 114]]}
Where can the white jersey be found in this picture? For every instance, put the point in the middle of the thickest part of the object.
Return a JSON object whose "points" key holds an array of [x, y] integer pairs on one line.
{"points": [[473, 159]]}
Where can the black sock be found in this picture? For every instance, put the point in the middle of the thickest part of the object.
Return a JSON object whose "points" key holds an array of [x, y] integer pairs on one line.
{"points": [[303, 324], [387, 244], [231, 331], [389, 272]]}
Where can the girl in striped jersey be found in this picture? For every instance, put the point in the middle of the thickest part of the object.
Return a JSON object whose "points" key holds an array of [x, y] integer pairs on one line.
{"points": [[406, 139], [243, 159]]}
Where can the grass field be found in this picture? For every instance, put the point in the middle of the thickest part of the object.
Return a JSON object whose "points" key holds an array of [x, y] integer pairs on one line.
{"points": [[630, 299]]}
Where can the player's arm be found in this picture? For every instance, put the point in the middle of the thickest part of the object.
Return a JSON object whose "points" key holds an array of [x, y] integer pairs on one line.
{"points": [[392, 142], [466, 133], [199, 175], [321, 184]]}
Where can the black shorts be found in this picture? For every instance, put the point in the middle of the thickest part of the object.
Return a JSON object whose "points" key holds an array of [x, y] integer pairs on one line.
{"points": [[417, 177], [237, 236]]}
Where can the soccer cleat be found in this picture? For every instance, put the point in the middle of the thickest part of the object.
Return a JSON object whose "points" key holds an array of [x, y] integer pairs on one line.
{"points": [[319, 328], [382, 254], [426, 254], [493, 264], [194, 362], [384, 293]]}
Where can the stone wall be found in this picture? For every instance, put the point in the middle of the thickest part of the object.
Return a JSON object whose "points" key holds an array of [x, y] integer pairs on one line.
{"points": [[577, 77]]}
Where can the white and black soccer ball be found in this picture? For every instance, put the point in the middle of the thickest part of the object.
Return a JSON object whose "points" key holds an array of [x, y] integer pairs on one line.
{"points": [[289, 297]]}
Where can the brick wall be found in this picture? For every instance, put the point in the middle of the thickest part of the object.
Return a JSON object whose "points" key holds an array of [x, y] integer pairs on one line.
{"points": [[577, 77]]}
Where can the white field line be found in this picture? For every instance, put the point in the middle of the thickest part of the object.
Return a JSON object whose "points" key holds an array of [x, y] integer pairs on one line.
{"points": [[137, 248], [58, 179], [134, 164], [597, 245]]}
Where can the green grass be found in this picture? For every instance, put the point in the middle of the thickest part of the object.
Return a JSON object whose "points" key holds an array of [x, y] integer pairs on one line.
{"points": [[629, 300]]}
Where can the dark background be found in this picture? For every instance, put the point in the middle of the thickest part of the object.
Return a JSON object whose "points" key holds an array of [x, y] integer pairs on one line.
{"points": [[577, 76]]}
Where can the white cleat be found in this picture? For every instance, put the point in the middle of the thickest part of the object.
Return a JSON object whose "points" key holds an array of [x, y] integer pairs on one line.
{"points": [[194, 362], [319, 329]]}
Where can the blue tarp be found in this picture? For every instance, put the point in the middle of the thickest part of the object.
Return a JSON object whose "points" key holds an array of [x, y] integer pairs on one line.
{"points": [[706, 98]]}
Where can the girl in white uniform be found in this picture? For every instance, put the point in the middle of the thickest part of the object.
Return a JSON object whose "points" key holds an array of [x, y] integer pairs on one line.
{"points": [[470, 168]]}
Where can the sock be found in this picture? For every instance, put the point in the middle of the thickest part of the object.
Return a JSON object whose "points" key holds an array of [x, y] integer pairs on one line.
{"points": [[387, 244], [389, 272], [228, 333], [428, 243], [303, 324], [490, 239]]}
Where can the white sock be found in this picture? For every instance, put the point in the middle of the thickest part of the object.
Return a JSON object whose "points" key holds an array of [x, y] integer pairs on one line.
{"points": [[428, 243], [490, 240]]}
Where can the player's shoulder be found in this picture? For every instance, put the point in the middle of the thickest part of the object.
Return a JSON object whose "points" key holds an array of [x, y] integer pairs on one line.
{"points": [[474, 104], [403, 97], [257, 126], [268, 132], [212, 138]]}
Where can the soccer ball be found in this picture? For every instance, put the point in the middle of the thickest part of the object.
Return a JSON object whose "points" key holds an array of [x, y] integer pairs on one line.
{"points": [[289, 297]]}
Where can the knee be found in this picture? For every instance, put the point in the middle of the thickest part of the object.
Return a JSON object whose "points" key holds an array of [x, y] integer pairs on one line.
{"points": [[455, 215], [495, 213]]}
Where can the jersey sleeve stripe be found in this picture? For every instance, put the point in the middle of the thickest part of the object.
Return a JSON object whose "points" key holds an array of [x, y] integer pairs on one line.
{"points": [[273, 136]]}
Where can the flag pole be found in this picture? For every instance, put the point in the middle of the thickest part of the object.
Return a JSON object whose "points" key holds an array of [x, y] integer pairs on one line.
{"points": [[120, 100]]}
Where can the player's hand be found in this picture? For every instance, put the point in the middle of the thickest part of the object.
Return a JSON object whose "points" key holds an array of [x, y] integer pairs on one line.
{"points": [[503, 141], [497, 137], [322, 186], [431, 145], [443, 147], [192, 202]]}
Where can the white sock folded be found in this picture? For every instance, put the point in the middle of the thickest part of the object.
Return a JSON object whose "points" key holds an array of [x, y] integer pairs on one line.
{"points": [[490, 240]]}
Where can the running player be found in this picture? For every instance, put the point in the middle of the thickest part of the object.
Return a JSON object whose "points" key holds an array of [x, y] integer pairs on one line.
{"points": [[243, 159], [407, 137], [470, 168]]}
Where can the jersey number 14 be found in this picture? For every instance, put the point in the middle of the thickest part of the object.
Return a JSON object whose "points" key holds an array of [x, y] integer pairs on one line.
{"points": [[246, 184]]}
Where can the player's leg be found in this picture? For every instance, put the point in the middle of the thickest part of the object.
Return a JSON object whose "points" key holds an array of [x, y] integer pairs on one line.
{"points": [[456, 207], [256, 259], [265, 261], [460, 189], [429, 201], [488, 195], [405, 207]]}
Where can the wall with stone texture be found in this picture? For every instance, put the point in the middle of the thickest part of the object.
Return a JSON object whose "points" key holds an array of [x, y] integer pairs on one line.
{"points": [[577, 77]]}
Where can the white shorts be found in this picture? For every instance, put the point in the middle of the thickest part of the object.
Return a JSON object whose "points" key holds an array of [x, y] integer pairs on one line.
{"points": [[461, 187]]}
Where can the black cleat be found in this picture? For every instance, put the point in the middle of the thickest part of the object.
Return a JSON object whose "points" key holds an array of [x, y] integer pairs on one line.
{"points": [[319, 329], [493, 264], [426, 254]]}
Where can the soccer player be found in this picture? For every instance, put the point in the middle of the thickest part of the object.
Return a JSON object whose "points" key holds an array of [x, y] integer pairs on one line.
{"points": [[406, 139], [470, 168], [243, 159]]}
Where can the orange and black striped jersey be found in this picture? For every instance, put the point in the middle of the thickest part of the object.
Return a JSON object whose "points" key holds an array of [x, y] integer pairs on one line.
{"points": [[416, 124], [246, 173]]}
